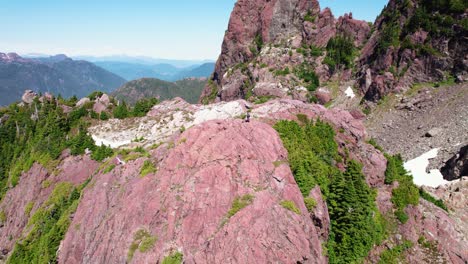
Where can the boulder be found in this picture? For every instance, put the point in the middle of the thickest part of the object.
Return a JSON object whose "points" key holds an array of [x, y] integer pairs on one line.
{"points": [[104, 99], [99, 107], [457, 166], [434, 132], [323, 96], [28, 96], [82, 102]]}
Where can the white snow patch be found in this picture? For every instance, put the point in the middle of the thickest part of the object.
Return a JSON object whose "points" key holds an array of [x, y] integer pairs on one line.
{"points": [[350, 93], [417, 167]]}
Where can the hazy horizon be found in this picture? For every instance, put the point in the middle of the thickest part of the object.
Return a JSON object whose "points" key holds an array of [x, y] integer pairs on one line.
{"points": [[179, 30]]}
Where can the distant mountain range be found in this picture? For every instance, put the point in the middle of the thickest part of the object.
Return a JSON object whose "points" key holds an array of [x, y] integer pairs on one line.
{"points": [[57, 74], [189, 89], [163, 71]]}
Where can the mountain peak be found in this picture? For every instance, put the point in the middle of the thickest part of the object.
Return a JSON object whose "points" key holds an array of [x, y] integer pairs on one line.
{"points": [[59, 57], [10, 57]]}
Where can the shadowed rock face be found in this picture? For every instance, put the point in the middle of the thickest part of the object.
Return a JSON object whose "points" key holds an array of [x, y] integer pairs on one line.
{"points": [[456, 167], [185, 204]]}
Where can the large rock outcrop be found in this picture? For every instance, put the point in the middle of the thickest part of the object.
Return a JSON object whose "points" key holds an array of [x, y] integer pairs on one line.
{"points": [[215, 193], [414, 41], [185, 204], [32, 191], [171, 117], [457, 166], [437, 236], [265, 37]]}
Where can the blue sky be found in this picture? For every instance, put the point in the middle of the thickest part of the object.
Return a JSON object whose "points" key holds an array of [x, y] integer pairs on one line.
{"points": [[175, 29]]}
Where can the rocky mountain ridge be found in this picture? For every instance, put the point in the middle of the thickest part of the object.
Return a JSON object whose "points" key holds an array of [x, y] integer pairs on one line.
{"points": [[164, 71], [414, 41], [140, 205], [249, 178], [277, 49], [189, 89], [288, 49]]}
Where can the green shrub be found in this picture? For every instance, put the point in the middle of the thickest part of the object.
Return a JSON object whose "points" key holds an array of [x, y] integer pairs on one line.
{"points": [[77, 114], [375, 144], [355, 222], [282, 72], [174, 258], [79, 143], [426, 196], [121, 111], [291, 206], [309, 17], [49, 225], [104, 116], [25, 141], [315, 51], [395, 169], [395, 254], [143, 241], [312, 152], [147, 168], [109, 168], [94, 95], [308, 75], [142, 107], [94, 115], [101, 153], [240, 203], [340, 52], [29, 206], [406, 193], [3, 217], [310, 203], [401, 216]]}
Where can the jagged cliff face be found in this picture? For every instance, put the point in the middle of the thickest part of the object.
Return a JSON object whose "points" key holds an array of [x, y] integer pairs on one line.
{"points": [[414, 41], [269, 43]]}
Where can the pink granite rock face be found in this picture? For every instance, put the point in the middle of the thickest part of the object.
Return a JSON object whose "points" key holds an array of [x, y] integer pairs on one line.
{"points": [[264, 36], [407, 63], [358, 30], [446, 231], [436, 226], [35, 187], [185, 204], [320, 215]]}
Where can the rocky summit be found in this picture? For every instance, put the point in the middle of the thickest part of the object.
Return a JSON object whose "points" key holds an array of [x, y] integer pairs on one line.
{"points": [[312, 142], [277, 49], [290, 48]]}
